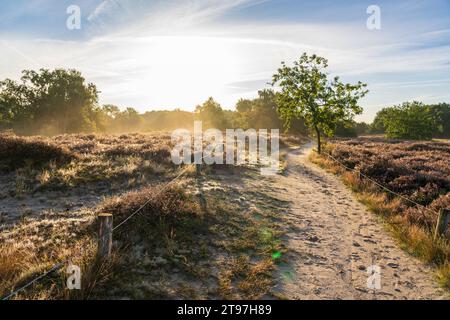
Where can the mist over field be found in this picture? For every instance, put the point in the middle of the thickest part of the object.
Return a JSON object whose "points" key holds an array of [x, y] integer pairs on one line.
{"points": [[224, 150]]}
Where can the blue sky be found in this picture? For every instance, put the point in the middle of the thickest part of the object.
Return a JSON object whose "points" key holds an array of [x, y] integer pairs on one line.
{"points": [[167, 54]]}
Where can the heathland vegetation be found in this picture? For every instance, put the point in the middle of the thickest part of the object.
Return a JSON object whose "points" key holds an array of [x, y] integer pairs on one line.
{"points": [[176, 247], [415, 180], [188, 242]]}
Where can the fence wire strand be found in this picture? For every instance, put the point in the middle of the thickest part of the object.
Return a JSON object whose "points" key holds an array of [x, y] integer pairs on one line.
{"points": [[151, 198], [379, 184], [54, 268], [61, 264]]}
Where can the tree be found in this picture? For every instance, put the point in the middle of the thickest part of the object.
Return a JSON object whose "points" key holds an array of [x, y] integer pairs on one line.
{"points": [[243, 113], [259, 113], [346, 129], [306, 92], [14, 104], [57, 101], [441, 114], [212, 115], [128, 120], [378, 125], [411, 120]]}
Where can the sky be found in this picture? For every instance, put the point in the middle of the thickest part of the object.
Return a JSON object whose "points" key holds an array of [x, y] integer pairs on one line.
{"points": [[168, 54]]}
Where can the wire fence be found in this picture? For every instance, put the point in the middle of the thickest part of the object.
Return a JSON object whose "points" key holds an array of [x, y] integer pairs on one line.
{"points": [[59, 265], [54, 268], [379, 184]]}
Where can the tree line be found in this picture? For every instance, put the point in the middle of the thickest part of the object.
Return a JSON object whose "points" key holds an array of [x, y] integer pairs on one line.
{"points": [[304, 99], [61, 101], [413, 120]]}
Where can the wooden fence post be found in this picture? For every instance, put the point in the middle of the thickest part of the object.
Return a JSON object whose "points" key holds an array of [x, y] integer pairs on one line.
{"points": [[442, 223], [105, 235]]}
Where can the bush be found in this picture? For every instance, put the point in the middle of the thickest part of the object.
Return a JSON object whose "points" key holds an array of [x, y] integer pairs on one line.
{"points": [[172, 204], [409, 121], [16, 151]]}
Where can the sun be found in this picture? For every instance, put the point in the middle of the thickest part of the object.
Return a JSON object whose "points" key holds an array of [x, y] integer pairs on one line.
{"points": [[183, 69]]}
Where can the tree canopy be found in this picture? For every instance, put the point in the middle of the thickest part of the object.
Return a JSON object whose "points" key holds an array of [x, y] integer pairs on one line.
{"points": [[308, 93], [61, 101], [58, 101], [410, 120], [212, 115]]}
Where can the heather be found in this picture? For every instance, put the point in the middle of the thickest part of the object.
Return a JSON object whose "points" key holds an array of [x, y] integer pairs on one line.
{"points": [[419, 171]]}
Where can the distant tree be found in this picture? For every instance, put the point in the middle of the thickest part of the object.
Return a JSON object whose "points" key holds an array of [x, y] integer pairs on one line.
{"points": [[362, 128], [259, 113], [111, 110], [58, 101], [377, 125], [163, 120], [243, 117], [128, 120], [306, 92], [105, 116], [265, 111], [346, 129], [15, 105], [212, 115], [350, 129], [411, 120], [441, 115]]}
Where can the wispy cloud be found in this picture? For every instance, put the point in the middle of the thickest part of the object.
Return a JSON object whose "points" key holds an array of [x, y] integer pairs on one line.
{"points": [[106, 6], [177, 53]]}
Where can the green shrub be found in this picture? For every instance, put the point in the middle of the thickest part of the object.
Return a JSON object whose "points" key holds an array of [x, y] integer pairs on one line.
{"points": [[410, 121]]}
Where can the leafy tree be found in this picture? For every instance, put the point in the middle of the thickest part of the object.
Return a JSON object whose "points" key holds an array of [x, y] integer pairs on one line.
{"points": [[377, 125], [265, 111], [57, 101], [441, 115], [346, 129], [212, 114], [14, 104], [411, 120], [306, 92], [128, 120], [259, 113], [243, 116]]}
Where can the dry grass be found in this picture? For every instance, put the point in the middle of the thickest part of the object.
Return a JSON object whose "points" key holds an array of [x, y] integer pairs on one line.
{"points": [[419, 171], [70, 161], [173, 249], [164, 203], [36, 243], [242, 278], [33, 247], [16, 152], [412, 225]]}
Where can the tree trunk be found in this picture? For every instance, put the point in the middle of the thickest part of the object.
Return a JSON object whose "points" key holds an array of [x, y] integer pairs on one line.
{"points": [[319, 144]]}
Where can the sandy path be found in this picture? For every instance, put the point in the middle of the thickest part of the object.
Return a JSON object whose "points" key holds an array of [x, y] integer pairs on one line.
{"points": [[332, 239]]}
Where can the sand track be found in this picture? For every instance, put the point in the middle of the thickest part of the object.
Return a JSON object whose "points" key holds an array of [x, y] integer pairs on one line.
{"points": [[333, 239]]}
